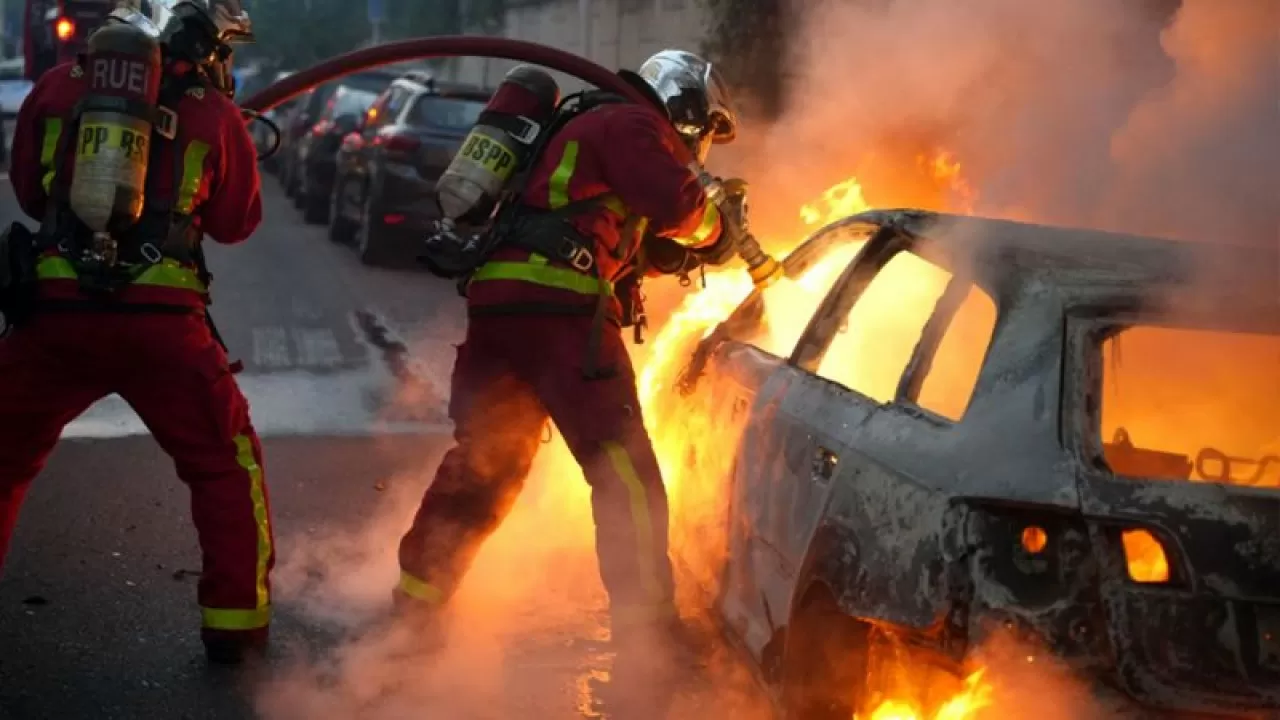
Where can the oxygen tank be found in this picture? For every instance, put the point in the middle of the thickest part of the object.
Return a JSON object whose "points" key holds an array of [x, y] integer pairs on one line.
{"points": [[123, 69], [501, 142]]}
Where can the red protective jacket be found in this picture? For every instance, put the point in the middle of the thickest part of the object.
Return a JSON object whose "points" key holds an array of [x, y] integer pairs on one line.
{"points": [[220, 185], [631, 152]]}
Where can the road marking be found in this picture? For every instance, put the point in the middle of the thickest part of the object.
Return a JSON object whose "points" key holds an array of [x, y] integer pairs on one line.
{"points": [[271, 347], [317, 347], [4, 176], [285, 404]]}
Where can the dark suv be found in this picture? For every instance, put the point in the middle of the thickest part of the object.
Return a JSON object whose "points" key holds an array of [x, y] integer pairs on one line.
{"points": [[382, 195], [305, 116]]}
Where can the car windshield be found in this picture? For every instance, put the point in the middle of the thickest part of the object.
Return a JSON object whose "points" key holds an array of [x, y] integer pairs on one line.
{"points": [[446, 113], [1192, 404], [367, 82], [351, 102]]}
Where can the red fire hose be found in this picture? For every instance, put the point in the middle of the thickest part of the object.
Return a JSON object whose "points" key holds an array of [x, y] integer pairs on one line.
{"points": [[435, 47]]}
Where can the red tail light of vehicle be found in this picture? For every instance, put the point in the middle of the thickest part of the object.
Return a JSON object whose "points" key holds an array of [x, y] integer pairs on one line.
{"points": [[64, 28], [402, 144], [393, 219], [321, 127]]}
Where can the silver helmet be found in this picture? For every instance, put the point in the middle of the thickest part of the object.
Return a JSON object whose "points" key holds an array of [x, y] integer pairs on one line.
{"points": [[694, 96], [141, 14], [203, 32], [227, 19]]}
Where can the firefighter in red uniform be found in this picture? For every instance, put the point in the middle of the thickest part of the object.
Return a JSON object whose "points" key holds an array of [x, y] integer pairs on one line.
{"points": [[619, 185], [123, 311]]}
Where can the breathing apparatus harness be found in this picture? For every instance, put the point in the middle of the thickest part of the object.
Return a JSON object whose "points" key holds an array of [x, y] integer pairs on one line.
{"points": [[551, 234], [163, 233]]}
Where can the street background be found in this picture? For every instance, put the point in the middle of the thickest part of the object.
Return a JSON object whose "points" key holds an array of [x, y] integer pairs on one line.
{"points": [[97, 605]]}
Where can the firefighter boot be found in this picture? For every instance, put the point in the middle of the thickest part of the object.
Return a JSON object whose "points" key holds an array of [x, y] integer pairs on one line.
{"points": [[423, 623], [234, 647]]}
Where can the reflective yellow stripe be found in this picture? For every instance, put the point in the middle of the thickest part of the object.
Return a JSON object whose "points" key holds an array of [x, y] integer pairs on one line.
{"points": [[246, 459], [223, 619], [170, 273], [52, 132], [55, 268], [539, 273], [708, 226], [420, 589], [558, 192], [167, 273], [612, 203], [642, 523], [192, 174]]}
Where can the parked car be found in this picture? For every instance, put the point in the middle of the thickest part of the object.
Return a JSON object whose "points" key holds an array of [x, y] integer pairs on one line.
{"points": [[382, 196], [305, 115], [318, 150], [14, 86], [979, 427]]}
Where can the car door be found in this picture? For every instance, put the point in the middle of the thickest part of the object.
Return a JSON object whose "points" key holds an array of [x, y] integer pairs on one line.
{"points": [[375, 134], [1174, 422], [895, 348], [357, 156]]}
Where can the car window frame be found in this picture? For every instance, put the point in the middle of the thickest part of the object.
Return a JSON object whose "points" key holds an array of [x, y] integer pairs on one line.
{"points": [[1087, 327], [393, 112], [884, 244], [421, 97]]}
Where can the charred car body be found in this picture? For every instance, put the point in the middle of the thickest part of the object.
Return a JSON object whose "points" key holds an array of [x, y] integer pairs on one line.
{"points": [[1002, 466]]}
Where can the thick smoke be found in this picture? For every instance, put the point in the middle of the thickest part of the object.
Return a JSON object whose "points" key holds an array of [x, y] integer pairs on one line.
{"points": [[1121, 114], [1150, 116]]}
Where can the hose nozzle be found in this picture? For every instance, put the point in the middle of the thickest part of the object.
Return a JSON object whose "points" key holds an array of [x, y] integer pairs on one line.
{"points": [[764, 270]]}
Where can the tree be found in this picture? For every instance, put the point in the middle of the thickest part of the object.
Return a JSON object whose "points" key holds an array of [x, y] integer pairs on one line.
{"points": [[298, 33]]}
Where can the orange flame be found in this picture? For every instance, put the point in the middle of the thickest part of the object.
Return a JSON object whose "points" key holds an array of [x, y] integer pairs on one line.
{"points": [[965, 705], [695, 437]]}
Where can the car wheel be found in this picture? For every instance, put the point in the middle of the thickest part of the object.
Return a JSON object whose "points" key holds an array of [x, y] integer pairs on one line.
{"points": [[371, 246], [299, 193], [341, 229], [286, 177], [836, 666], [315, 208], [823, 674]]}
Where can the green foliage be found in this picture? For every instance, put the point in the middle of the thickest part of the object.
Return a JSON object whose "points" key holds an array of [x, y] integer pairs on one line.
{"points": [[748, 41], [297, 33]]}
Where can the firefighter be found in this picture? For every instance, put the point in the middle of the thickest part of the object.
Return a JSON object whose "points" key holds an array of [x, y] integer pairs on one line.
{"points": [[616, 193], [120, 289]]}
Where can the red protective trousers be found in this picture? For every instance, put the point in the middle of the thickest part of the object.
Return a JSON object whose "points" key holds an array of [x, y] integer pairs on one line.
{"points": [[512, 373], [169, 368]]}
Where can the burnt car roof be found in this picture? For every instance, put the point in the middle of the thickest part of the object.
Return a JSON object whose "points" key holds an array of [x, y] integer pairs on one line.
{"points": [[1088, 261]]}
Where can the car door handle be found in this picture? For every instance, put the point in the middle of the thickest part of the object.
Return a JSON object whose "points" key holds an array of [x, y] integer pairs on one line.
{"points": [[824, 464]]}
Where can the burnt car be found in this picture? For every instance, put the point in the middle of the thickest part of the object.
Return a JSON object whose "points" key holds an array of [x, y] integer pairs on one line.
{"points": [[383, 197], [981, 429], [318, 150]]}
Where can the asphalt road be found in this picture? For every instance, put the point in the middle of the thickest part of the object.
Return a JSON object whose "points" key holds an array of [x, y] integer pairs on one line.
{"points": [[345, 372]]}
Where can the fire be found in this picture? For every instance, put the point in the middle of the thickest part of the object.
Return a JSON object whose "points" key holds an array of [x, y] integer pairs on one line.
{"points": [[965, 705], [695, 437]]}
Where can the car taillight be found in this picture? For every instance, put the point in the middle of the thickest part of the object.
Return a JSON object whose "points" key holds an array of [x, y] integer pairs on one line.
{"points": [[393, 219], [64, 28], [321, 128], [1145, 557], [402, 144]]}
